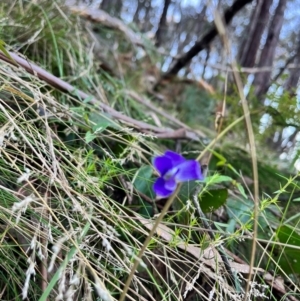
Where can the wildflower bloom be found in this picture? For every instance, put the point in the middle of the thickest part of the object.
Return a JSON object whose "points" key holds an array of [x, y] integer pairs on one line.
{"points": [[173, 168]]}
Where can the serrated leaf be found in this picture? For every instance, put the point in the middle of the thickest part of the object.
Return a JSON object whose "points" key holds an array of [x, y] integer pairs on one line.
{"points": [[213, 199]]}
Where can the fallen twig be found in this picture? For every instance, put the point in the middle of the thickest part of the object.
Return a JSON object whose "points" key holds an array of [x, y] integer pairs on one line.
{"points": [[154, 108], [207, 256], [100, 16], [66, 87], [179, 134]]}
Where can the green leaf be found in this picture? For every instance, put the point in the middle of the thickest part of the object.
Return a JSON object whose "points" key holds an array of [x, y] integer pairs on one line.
{"points": [[238, 212], [241, 190], [241, 212], [219, 156], [187, 190], [142, 178], [88, 99], [89, 137], [146, 209], [217, 179], [213, 199], [2, 48], [231, 226], [233, 169], [185, 193], [221, 163], [101, 126], [102, 121], [288, 255], [143, 183]]}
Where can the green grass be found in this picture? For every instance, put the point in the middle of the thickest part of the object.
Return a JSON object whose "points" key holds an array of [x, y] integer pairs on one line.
{"points": [[85, 194]]}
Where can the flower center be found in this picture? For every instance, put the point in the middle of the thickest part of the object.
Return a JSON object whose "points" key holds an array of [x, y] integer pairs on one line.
{"points": [[170, 174]]}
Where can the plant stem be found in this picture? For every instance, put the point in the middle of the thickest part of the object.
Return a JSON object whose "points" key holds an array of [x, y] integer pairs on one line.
{"points": [[149, 237]]}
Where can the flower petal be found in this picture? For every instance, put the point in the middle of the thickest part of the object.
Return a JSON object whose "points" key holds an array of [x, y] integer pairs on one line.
{"points": [[162, 164], [176, 158], [188, 171], [170, 184], [161, 189]]}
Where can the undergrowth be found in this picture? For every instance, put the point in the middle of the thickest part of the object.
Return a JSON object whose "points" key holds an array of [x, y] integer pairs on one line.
{"points": [[76, 184]]}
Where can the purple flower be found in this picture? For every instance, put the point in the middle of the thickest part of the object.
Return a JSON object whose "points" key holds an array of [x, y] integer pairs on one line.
{"points": [[173, 168]]}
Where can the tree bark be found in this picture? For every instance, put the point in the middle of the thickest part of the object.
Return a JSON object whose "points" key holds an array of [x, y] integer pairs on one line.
{"points": [[292, 82], [162, 24], [258, 23], [147, 23], [191, 28], [262, 79], [248, 31], [139, 7], [104, 5], [113, 7], [207, 38]]}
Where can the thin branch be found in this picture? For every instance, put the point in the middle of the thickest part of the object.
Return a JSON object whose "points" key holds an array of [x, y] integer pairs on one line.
{"points": [[207, 38], [287, 63], [66, 87], [179, 134], [100, 16], [162, 24]]}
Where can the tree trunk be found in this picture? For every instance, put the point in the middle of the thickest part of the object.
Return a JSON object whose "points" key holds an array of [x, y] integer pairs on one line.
{"points": [[147, 23], [258, 23], [191, 28], [293, 79], [139, 7], [104, 5], [113, 7], [262, 79], [204, 42], [162, 24]]}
